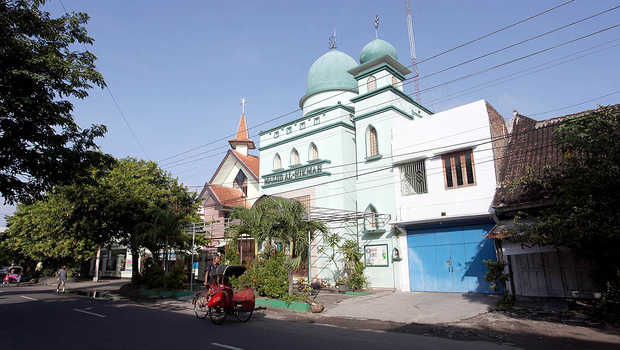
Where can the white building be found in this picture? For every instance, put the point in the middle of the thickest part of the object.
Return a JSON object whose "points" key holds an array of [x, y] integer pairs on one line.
{"points": [[446, 173]]}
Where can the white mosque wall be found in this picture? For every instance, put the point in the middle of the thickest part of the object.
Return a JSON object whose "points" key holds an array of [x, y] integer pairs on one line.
{"points": [[428, 138], [327, 99]]}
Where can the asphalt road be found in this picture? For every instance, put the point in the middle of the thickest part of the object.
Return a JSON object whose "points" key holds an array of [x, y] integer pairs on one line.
{"points": [[36, 318]]}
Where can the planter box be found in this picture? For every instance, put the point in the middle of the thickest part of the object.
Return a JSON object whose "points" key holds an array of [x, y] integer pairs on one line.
{"points": [[281, 304], [361, 292], [165, 293]]}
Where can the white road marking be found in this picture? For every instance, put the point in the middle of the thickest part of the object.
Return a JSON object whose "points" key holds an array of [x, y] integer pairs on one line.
{"points": [[29, 298], [226, 346], [89, 313]]}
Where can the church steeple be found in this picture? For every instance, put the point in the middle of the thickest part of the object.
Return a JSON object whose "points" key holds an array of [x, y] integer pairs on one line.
{"points": [[241, 142]]}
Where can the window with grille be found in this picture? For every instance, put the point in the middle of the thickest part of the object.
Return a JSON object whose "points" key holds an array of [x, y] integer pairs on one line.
{"points": [[373, 147], [372, 83], [317, 120], [459, 169], [413, 178], [294, 157], [277, 162], [313, 152], [302, 125], [370, 218]]}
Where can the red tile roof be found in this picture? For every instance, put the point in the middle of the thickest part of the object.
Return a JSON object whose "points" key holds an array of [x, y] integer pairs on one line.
{"points": [[229, 197], [250, 161]]}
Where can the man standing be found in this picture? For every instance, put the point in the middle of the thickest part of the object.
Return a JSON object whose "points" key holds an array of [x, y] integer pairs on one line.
{"points": [[62, 279], [210, 271]]}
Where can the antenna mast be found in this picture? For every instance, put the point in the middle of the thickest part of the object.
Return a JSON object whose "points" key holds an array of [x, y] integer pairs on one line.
{"points": [[414, 63]]}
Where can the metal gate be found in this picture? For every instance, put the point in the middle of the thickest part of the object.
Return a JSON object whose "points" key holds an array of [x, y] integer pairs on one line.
{"points": [[450, 259]]}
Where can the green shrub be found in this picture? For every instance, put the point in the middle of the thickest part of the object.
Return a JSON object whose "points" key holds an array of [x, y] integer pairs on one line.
{"points": [[176, 278], [268, 276], [353, 265], [153, 277]]}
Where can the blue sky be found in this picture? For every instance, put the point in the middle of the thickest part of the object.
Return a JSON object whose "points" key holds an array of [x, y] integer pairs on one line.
{"points": [[179, 68]]}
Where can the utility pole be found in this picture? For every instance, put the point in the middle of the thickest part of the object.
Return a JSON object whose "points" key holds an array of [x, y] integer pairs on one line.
{"points": [[191, 277], [97, 259]]}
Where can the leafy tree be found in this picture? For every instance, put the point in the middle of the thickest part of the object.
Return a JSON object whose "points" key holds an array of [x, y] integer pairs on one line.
{"points": [[41, 231], [136, 204], [584, 215], [279, 220], [41, 69]]}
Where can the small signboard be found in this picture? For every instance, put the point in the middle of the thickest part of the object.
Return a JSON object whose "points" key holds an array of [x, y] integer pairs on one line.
{"points": [[376, 255]]}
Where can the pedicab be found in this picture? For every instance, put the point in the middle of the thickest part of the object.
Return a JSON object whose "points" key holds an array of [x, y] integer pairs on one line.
{"points": [[14, 275], [221, 300]]}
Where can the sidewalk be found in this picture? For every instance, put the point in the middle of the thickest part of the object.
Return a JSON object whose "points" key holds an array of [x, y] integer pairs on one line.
{"points": [[412, 307]]}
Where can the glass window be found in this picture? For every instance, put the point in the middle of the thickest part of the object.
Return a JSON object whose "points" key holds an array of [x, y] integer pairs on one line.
{"points": [[277, 162], [289, 130], [276, 134], [371, 141], [241, 182], [316, 121], [294, 157], [459, 166], [302, 125], [370, 218], [372, 83], [313, 152]]}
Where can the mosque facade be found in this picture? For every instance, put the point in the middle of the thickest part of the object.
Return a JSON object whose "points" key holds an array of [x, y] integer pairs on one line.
{"points": [[337, 157]]}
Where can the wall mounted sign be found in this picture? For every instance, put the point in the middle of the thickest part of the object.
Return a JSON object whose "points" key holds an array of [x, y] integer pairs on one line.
{"points": [[299, 173], [376, 255]]}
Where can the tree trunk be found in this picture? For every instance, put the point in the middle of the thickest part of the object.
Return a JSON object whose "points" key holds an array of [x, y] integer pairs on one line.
{"points": [[290, 282], [135, 264]]}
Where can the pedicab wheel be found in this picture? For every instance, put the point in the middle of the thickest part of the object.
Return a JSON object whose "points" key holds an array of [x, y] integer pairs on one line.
{"points": [[244, 315], [200, 307], [217, 315]]}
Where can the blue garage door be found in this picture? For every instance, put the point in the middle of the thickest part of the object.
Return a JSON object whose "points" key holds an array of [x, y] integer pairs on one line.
{"points": [[450, 259]]}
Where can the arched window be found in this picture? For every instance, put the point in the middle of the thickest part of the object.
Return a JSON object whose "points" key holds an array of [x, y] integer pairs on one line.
{"points": [[372, 83], [241, 182], [395, 82], [313, 152], [294, 157], [370, 218], [372, 146], [277, 162]]}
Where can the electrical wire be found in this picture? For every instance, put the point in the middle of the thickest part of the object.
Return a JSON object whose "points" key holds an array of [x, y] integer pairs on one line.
{"points": [[118, 107], [409, 66], [475, 73]]}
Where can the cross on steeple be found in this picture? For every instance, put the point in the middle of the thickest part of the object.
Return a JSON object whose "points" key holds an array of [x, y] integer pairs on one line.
{"points": [[243, 101], [377, 26]]}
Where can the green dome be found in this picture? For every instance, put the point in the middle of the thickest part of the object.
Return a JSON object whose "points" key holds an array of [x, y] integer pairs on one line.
{"points": [[375, 49], [330, 72]]}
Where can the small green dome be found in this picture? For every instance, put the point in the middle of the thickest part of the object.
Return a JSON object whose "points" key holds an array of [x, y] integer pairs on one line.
{"points": [[375, 49], [330, 72]]}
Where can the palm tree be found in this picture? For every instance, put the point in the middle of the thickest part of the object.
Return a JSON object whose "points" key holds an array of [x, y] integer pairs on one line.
{"points": [[279, 220]]}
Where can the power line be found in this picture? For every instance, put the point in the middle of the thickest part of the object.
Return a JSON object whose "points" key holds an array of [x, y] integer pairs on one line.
{"points": [[118, 107], [576, 104], [468, 143], [469, 75], [419, 62], [528, 71]]}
